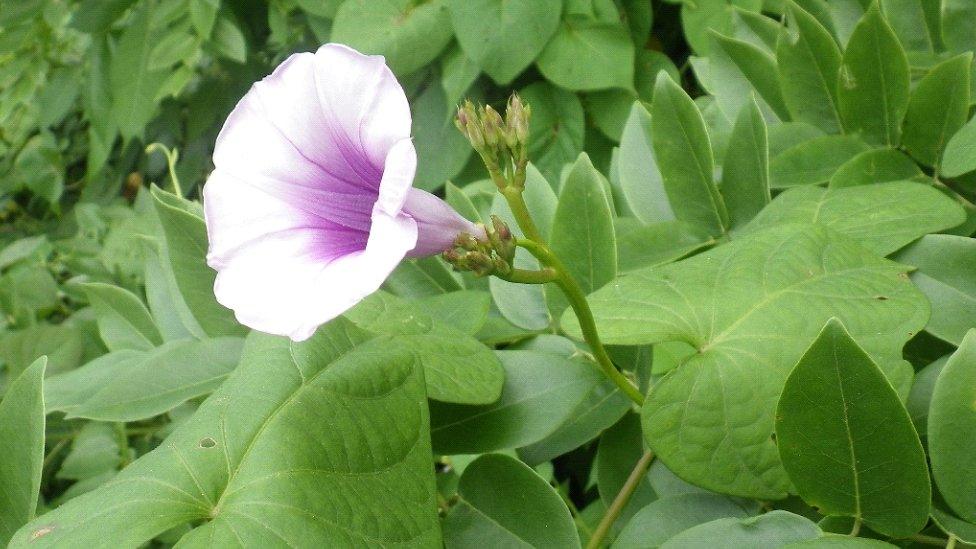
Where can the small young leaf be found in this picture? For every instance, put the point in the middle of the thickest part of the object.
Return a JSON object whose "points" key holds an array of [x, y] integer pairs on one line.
{"points": [[838, 392], [123, 321], [946, 264], [759, 67], [874, 166], [873, 86], [582, 232], [960, 154], [22, 433], [541, 390], [504, 503], [745, 172], [640, 178], [808, 60], [684, 155], [937, 109], [952, 430]]}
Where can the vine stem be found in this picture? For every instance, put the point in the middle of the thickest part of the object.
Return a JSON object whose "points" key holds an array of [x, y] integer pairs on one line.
{"points": [[619, 502], [535, 244]]}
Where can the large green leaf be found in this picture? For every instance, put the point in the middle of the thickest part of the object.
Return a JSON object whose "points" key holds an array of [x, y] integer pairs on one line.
{"points": [[745, 172], [882, 217], [946, 264], [313, 443], [457, 367], [541, 391], [872, 90], [129, 386], [123, 321], [22, 433], [937, 109], [751, 308], [583, 235], [134, 86], [186, 245], [769, 531], [504, 36], [875, 166], [587, 54], [838, 424], [684, 156], [959, 25], [663, 519], [808, 60], [504, 503], [952, 430], [408, 33]]}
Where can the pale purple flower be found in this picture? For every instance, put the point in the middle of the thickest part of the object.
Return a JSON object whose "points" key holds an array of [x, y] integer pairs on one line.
{"points": [[310, 207]]}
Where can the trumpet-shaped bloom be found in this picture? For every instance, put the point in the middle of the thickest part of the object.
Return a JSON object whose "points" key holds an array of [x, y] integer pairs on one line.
{"points": [[310, 206]]}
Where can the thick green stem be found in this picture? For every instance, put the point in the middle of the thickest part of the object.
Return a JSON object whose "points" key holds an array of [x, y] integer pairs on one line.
{"points": [[535, 244], [619, 502]]}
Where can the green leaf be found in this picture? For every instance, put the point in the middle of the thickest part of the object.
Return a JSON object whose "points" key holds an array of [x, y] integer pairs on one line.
{"points": [[759, 68], [203, 15], [841, 541], [882, 217], [229, 41], [441, 149], [458, 74], [170, 314], [408, 33], [874, 166], [556, 128], [457, 367], [768, 531], [134, 85], [813, 162], [959, 25], [698, 18], [920, 396], [640, 178], [965, 531], [915, 22], [422, 277], [873, 86], [22, 433], [312, 443], [937, 109], [541, 391], [504, 503], [750, 308], [186, 243], [465, 310], [847, 468], [745, 172], [952, 430], [808, 60], [663, 519], [619, 450], [960, 154], [582, 232], [123, 321], [94, 452], [503, 37], [97, 16], [945, 275], [125, 386], [684, 155], [172, 49], [586, 54]]}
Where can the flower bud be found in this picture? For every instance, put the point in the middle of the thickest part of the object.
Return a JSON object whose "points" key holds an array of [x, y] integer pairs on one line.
{"points": [[502, 240]]}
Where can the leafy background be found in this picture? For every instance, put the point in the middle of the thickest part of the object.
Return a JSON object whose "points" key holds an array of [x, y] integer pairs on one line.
{"points": [[771, 201]]}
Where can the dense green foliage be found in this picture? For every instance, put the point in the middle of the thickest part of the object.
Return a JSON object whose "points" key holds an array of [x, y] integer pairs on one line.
{"points": [[770, 204]]}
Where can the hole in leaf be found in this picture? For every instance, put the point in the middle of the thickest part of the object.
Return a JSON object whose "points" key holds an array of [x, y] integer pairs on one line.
{"points": [[207, 442], [881, 297]]}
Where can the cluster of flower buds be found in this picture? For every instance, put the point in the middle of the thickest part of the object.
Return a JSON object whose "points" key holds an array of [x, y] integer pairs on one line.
{"points": [[495, 256], [501, 142]]}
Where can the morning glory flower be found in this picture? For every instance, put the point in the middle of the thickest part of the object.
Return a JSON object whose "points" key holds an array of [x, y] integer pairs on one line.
{"points": [[310, 207]]}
